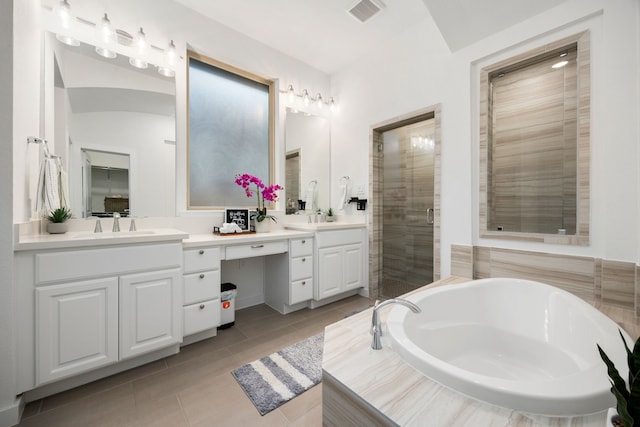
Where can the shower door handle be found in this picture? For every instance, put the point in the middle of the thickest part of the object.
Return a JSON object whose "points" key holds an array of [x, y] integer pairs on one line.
{"points": [[430, 216]]}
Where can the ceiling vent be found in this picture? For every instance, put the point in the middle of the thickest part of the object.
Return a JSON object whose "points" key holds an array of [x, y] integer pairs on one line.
{"points": [[366, 9]]}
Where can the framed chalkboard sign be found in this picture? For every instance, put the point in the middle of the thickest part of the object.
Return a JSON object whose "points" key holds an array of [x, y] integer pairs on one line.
{"points": [[239, 216]]}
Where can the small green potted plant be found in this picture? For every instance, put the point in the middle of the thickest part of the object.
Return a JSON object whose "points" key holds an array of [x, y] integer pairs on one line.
{"points": [[57, 220], [628, 399], [331, 217]]}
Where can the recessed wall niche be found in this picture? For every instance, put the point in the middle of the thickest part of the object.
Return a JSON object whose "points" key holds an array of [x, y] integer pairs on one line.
{"points": [[534, 144]]}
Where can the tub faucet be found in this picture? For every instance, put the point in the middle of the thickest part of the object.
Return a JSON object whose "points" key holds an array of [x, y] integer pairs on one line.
{"points": [[376, 326], [116, 223]]}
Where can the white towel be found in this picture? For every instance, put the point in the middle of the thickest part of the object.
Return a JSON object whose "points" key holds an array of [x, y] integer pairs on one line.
{"points": [[50, 194], [343, 195]]}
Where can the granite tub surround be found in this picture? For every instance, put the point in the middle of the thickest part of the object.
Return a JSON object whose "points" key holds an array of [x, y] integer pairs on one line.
{"points": [[363, 386]]}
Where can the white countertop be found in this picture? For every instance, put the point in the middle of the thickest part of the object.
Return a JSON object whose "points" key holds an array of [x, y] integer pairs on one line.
{"points": [[84, 239], [323, 226]]}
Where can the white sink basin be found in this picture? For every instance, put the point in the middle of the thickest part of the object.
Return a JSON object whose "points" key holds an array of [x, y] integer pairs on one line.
{"points": [[111, 235]]}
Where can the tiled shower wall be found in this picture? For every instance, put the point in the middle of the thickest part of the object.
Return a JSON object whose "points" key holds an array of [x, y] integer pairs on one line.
{"points": [[597, 281]]}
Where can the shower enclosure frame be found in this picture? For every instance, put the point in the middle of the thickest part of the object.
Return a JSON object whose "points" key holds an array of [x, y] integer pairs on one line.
{"points": [[374, 211]]}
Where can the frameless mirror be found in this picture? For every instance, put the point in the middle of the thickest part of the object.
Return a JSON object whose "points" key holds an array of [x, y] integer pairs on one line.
{"points": [[307, 164], [106, 106]]}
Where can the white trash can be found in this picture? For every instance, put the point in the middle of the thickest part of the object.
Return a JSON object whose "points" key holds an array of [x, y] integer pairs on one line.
{"points": [[228, 292]]}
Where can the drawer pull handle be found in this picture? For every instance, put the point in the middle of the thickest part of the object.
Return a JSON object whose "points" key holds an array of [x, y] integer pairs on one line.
{"points": [[201, 306], [304, 241], [304, 283], [257, 246], [304, 259], [202, 275], [201, 251]]}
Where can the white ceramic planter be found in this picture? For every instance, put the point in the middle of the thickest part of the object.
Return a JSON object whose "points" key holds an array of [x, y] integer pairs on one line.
{"points": [[57, 227], [263, 226]]}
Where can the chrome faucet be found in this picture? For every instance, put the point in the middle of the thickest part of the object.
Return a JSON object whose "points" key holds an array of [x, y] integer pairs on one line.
{"points": [[376, 326], [98, 228], [116, 222], [132, 226]]}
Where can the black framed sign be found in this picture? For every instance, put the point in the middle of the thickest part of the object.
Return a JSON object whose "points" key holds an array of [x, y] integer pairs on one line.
{"points": [[239, 216]]}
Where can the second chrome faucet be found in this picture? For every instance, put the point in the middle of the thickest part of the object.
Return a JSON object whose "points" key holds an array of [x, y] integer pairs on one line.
{"points": [[376, 325]]}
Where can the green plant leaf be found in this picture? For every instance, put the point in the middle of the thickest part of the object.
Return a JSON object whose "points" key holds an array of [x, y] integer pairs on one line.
{"points": [[633, 359], [621, 407], [619, 386], [633, 403]]}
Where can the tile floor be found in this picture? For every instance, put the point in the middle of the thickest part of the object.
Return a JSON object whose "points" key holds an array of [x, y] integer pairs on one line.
{"points": [[195, 387]]}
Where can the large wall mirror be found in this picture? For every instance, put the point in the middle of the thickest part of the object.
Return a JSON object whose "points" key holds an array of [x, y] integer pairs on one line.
{"points": [[116, 125], [534, 145], [307, 164]]}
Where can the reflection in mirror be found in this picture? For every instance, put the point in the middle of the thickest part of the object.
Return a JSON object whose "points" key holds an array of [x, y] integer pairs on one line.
{"points": [[105, 105], [105, 183], [307, 141]]}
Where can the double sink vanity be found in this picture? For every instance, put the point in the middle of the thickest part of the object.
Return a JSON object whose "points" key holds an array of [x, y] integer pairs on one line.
{"points": [[94, 304]]}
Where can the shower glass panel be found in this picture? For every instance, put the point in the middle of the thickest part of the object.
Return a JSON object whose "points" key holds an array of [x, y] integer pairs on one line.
{"points": [[407, 177]]}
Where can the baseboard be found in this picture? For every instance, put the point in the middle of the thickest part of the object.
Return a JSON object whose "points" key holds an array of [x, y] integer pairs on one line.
{"points": [[10, 416]]}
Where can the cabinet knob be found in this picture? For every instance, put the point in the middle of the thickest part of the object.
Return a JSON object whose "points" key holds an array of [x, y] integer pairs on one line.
{"points": [[304, 282], [201, 251], [304, 241], [304, 259], [201, 306], [202, 275]]}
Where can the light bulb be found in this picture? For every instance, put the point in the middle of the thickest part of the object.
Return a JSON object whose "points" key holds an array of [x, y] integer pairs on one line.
{"points": [[305, 97], [140, 49], [167, 69], [291, 94], [106, 38], [332, 105], [62, 12], [319, 100]]}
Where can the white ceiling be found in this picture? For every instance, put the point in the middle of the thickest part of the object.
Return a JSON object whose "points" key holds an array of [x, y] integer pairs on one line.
{"points": [[324, 35]]}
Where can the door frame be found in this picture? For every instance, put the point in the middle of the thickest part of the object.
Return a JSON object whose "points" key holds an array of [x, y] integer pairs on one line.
{"points": [[375, 212]]}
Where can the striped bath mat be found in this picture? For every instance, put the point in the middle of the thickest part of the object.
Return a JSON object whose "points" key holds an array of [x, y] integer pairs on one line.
{"points": [[275, 379]]}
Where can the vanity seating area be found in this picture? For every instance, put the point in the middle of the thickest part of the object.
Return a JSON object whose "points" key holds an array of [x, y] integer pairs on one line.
{"points": [[95, 304]]}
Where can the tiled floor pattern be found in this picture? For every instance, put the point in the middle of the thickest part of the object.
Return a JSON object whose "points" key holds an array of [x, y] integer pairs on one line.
{"points": [[195, 387]]}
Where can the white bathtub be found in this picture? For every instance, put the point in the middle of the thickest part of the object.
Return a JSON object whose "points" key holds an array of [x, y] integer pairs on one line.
{"points": [[518, 344]]}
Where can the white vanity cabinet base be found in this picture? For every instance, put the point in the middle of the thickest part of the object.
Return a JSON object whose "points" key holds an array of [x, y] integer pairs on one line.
{"points": [[201, 293], [77, 329], [150, 311]]}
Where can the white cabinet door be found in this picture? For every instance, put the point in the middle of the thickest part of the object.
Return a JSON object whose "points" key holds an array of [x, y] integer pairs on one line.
{"points": [[330, 276], [76, 327], [352, 267], [150, 311]]}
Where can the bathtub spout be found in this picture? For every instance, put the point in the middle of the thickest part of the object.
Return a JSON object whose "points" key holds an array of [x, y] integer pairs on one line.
{"points": [[376, 326]]}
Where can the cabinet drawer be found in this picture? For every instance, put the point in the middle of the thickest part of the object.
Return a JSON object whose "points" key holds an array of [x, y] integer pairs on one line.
{"points": [[301, 247], [201, 259], [256, 249], [339, 237], [201, 286], [200, 317], [301, 290], [301, 267]]}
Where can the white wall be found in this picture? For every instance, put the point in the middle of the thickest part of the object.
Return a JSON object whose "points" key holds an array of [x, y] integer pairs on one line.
{"points": [[416, 70]]}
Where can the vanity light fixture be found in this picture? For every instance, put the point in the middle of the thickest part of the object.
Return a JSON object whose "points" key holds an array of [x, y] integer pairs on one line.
{"points": [[167, 69], [332, 105], [318, 101], [562, 62], [106, 37], [140, 48], [62, 12], [291, 94]]}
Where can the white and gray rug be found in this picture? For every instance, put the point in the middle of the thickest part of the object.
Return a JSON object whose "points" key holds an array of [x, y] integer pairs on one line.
{"points": [[275, 379]]}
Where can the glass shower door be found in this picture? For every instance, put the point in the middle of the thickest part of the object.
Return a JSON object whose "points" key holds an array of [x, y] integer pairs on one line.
{"points": [[407, 177]]}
